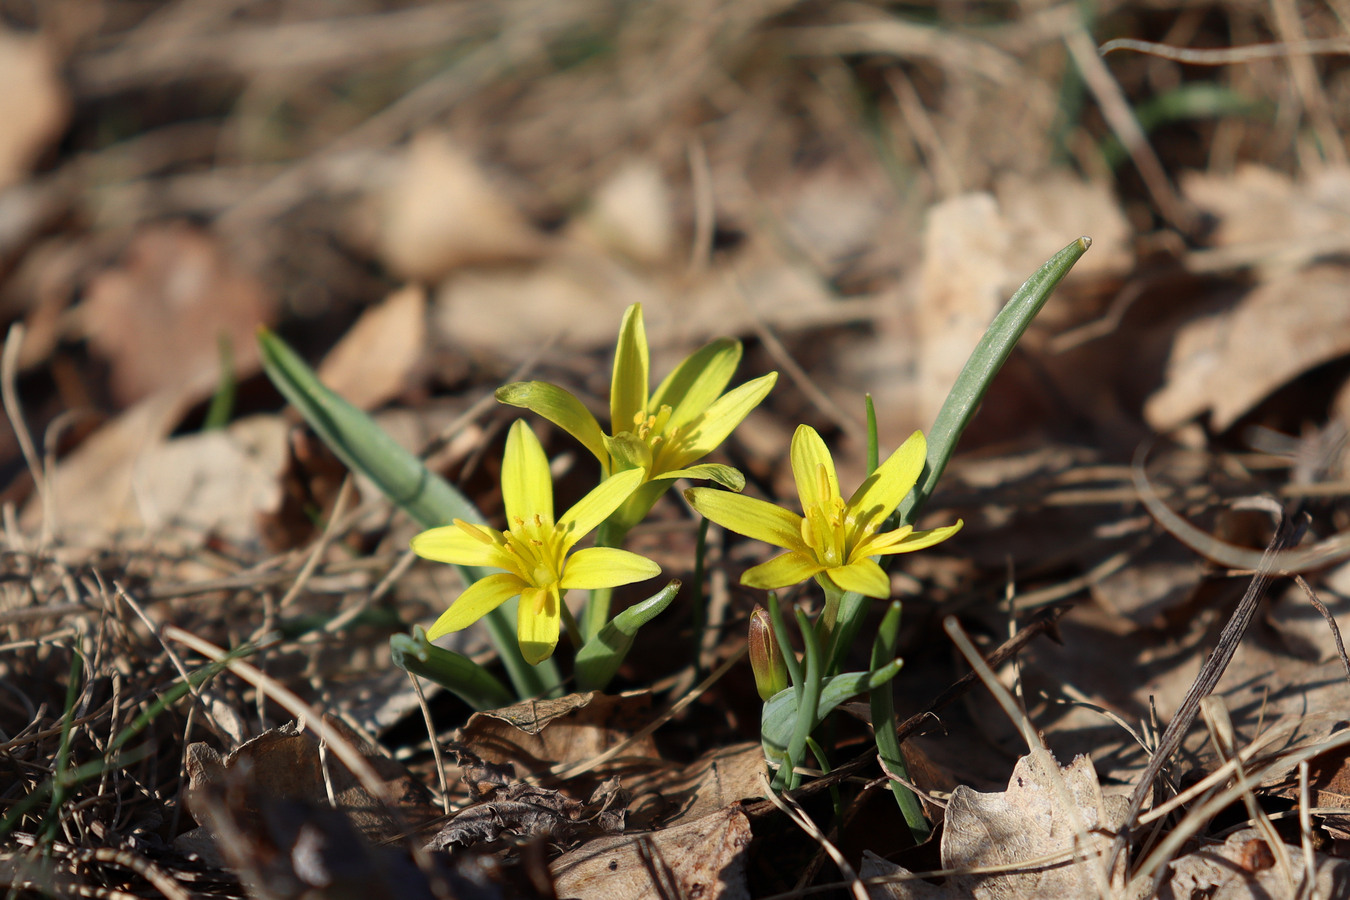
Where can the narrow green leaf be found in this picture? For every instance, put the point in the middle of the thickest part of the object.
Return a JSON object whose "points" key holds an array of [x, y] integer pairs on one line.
{"points": [[780, 713], [808, 706], [989, 355], [603, 654], [431, 500], [883, 725], [453, 671]]}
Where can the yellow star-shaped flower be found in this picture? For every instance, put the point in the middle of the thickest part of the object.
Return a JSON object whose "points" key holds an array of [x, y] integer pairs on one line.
{"points": [[535, 552], [833, 539], [662, 433]]}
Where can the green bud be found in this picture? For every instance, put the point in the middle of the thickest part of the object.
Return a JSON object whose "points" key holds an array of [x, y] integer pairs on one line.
{"points": [[766, 658]]}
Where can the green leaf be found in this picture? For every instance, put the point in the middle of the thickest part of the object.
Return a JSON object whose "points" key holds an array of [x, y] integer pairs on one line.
{"points": [[780, 713], [883, 726], [366, 448], [988, 357], [603, 654], [453, 671]]}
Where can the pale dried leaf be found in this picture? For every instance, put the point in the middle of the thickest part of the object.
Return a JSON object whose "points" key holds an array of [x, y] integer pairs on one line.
{"points": [[442, 212], [1243, 868], [632, 214], [704, 858], [683, 792], [376, 360], [34, 104], [178, 294], [1226, 363]]}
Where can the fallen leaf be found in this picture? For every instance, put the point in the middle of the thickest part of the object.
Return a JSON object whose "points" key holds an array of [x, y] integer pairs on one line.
{"points": [[681, 792], [1243, 867], [631, 214], [34, 104], [702, 859], [1225, 363], [1026, 824], [177, 293], [286, 763], [535, 735], [376, 359], [442, 212]]}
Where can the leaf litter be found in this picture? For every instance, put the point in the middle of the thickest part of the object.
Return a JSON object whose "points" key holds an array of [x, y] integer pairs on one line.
{"points": [[849, 190]]}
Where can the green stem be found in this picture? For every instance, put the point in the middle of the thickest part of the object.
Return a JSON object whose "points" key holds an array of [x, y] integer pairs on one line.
{"points": [[596, 613], [883, 725], [829, 616], [697, 616], [806, 708]]}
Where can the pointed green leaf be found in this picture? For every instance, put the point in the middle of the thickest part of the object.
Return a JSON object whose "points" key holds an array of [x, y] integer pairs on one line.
{"points": [[453, 671], [780, 713], [603, 654]]}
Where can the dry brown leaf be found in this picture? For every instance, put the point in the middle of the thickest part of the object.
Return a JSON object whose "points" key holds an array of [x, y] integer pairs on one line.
{"points": [[577, 299], [631, 214], [1244, 868], [1028, 824], [535, 734], [34, 104], [1266, 219], [376, 360], [160, 316], [678, 793], [286, 762], [442, 212], [1226, 363], [704, 858], [92, 490], [979, 247]]}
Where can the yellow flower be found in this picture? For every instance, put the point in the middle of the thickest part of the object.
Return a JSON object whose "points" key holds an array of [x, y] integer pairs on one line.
{"points": [[533, 553], [834, 539], [662, 433]]}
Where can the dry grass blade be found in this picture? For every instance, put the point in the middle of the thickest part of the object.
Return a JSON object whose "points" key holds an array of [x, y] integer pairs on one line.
{"points": [[799, 818]]}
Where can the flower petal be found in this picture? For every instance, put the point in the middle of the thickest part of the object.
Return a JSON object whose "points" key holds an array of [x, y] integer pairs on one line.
{"points": [[605, 567], [915, 540], [478, 599], [749, 516], [596, 506], [726, 476], [539, 620], [561, 408], [707, 431], [453, 544], [782, 571], [878, 496], [810, 458], [864, 576], [628, 390], [527, 484], [698, 381]]}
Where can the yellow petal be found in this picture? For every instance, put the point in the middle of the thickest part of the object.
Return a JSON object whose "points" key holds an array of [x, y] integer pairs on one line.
{"points": [[749, 516], [452, 544], [864, 576], [604, 567], [709, 430], [527, 484], [479, 599], [878, 496], [915, 540], [596, 506], [560, 408], [812, 468], [628, 390], [539, 619], [698, 381], [782, 571]]}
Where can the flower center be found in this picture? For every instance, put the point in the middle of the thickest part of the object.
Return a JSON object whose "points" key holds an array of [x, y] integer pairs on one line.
{"points": [[828, 524], [537, 549], [665, 441]]}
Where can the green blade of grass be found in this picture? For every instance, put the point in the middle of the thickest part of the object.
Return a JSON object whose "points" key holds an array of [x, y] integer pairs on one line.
{"points": [[453, 671], [882, 702], [366, 448]]}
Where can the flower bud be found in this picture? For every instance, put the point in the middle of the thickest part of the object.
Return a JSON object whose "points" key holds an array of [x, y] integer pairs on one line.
{"points": [[766, 658]]}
